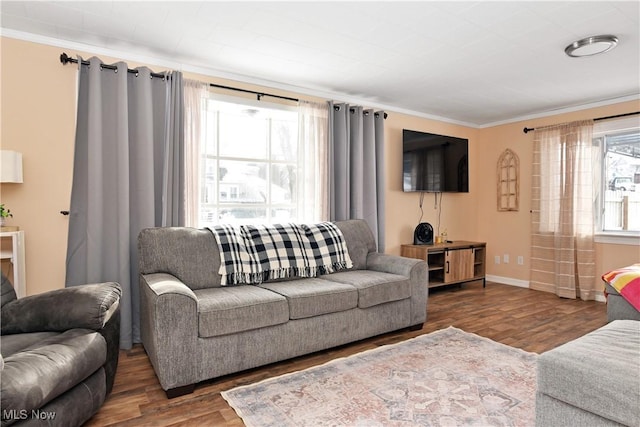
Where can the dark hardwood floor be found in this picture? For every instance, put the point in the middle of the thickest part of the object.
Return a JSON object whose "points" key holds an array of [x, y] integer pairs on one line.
{"points": [[531, 320]]}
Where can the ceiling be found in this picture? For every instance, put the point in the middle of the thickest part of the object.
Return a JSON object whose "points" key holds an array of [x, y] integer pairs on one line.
{"points": [[476, 63]]}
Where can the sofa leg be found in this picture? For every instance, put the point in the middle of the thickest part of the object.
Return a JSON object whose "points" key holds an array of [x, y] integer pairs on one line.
{"points": [[180, 391], [416, 327]]}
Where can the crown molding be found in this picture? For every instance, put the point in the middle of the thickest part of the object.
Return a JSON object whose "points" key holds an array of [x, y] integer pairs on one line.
{"points": [[557, 111], [308, 91], [216, 73]]}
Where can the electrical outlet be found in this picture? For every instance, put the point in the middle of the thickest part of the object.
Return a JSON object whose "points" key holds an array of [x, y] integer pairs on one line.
{"points": [[520, 260], [505, 258], [497, 259]]}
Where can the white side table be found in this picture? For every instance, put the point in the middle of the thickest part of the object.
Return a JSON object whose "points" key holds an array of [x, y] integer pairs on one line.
{"points": [[12, 248]]}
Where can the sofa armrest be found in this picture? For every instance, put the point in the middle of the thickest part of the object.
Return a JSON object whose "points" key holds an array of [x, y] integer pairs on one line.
{"points": [[393, 264], [86, 306], [417, 272], [169, 328]]}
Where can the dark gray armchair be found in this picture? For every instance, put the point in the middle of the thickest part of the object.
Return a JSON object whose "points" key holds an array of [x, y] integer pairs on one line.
{"points": [[59, 353]]}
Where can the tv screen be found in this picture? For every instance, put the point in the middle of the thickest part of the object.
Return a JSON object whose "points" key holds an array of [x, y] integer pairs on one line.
{"points": [[434, 163]]}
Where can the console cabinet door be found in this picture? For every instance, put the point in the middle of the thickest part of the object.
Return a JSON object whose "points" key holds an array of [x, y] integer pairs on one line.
{"points": [[458, 265]]}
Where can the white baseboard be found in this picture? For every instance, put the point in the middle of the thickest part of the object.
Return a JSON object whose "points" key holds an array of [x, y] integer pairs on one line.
{"points": [[525, 284], [600, 297], [507, 281]]}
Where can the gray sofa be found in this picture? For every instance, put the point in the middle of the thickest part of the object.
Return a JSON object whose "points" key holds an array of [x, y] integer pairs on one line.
{"points": [[59, 353], [194, 329], [593, 380], [619, 308]]}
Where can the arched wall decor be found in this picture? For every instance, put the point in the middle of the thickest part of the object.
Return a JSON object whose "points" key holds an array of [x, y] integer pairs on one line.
{"points": [[508, 177]]}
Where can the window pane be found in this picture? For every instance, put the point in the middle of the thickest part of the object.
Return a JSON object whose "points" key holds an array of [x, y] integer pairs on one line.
{"points": [[211, 131], [209, 181], [283, 215], [622, 182], [208, 216], [243, 215], [251, 165], [284, 137], [283, 183], [243, 134], [243, 182]]}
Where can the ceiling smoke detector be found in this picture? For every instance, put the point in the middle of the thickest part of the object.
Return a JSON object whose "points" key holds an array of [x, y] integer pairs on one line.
{"points": [[591, 46]]}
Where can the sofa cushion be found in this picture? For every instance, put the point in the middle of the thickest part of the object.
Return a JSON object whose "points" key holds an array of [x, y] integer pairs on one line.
{"points": [[359, 239], [13, 343], [46, 369], [597, 373], [314, 297], [187, 253], [374, 287], [232, 309]]}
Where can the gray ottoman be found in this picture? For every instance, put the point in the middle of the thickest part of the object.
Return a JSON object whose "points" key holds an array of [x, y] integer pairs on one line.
{"points": [[593, 380]]}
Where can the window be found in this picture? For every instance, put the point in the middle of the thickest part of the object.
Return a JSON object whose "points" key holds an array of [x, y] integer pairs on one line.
{"points": [[619, 198], [250, 164]]}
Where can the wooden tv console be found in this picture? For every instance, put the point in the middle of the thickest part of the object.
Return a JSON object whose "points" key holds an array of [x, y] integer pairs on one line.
{"points": [[451, 263]]}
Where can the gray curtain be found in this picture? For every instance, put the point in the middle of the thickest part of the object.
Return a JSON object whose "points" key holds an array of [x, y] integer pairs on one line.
{"points": [[126, 177], [174, 174], [356, 166]]}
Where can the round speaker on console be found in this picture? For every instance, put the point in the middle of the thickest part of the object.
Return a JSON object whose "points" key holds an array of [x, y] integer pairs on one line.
{"points": [[423, 235]]}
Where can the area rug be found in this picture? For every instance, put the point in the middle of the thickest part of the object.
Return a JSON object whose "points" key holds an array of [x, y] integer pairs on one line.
{"points": [[445, 378]]}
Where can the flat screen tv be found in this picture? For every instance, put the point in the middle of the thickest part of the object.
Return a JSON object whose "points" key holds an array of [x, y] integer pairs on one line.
{"points": [[434, 163]]}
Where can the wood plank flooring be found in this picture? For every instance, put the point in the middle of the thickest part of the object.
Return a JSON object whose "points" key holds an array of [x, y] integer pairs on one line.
{"points": [[531, 320]]}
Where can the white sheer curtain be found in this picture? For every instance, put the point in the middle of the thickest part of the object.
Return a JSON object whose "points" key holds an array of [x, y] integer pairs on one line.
{"points": [[195, 93], [313, 186], [562, 222]]}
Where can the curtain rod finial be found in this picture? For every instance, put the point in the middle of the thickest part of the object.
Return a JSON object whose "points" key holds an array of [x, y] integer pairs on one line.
{"points": [[64, 58]]}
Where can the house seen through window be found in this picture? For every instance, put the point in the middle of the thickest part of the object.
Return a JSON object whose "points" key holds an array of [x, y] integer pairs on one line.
{"points": [[620, 188], [250, 164]]}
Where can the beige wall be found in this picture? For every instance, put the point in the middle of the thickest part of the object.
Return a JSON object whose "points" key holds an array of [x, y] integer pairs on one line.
{"points": [[37, 119], [458, 216], [508, 232]]}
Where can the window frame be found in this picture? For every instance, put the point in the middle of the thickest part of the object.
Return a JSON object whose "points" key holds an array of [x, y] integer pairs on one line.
{"points": [[600, 131], [268, 162]]}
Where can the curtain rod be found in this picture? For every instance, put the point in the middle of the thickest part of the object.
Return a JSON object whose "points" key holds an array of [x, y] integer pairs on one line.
{"points": [[258, 94], [65, 59], [366, 113], [526, 129]]}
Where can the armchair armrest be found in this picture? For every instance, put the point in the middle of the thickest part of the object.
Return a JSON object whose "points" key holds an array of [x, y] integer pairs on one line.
{"points": [[86, 306]]}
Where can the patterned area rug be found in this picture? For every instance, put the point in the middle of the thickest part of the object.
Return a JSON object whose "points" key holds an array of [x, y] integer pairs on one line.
{"points": [[446, 378]]}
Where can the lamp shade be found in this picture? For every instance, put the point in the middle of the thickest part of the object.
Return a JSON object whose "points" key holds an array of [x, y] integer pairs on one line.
{"points": [[11, 164]]}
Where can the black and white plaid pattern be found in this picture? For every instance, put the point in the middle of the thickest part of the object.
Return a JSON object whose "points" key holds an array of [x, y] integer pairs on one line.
{"points": [[236, 265], [329, 249], [253, 254]]}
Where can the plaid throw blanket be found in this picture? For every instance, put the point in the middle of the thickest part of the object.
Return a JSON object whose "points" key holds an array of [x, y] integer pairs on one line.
{"points": [[254, 254]]}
